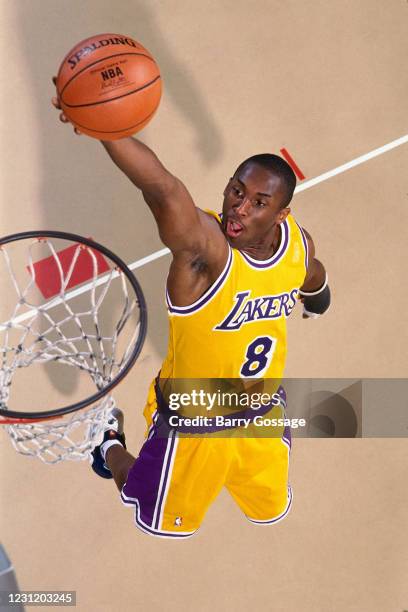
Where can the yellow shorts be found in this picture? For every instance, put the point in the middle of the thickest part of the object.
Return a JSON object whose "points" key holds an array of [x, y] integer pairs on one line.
{"points": [[175, 478]]}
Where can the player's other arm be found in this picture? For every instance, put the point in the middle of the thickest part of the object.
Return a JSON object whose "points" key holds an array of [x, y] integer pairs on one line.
{"points": [[177, 217], [315, 292]]}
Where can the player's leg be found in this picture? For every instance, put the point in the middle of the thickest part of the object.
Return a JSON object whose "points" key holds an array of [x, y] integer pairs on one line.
{"points": [[174, 479], [259, 480], [110, 459], [119, 462]]}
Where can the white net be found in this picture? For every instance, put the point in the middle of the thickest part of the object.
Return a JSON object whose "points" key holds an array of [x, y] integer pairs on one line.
{"points": [[92, 328], [72, 437]]}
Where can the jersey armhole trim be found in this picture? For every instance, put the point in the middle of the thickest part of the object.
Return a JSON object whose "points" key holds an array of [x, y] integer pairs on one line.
{"points": [[207, 296], [305, 244]]}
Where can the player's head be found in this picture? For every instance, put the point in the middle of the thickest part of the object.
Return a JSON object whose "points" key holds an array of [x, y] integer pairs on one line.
{"points": [[279, 168], [256, 199]]}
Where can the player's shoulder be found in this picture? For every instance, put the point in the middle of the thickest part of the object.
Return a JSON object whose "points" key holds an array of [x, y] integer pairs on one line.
{"points": [[306, 233], [294, 223], [309, 240], [304, 236], [310, 247]]}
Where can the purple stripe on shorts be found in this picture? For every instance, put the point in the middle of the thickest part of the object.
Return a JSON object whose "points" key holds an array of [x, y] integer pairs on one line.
{"points": [[152, 428], [282, 394], [164, 483], [146, 529], [287, 442], [287, 435], [145, 475]]}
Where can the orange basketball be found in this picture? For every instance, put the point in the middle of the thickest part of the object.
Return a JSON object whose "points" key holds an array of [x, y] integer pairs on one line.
{"points": [[109, 86]]}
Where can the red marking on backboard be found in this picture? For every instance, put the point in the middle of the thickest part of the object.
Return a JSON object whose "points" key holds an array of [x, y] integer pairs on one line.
{"points": [[293, 164], [47, 274]]}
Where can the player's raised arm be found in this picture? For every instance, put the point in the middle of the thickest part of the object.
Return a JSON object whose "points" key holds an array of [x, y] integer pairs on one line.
{"points": [[182, 226], [176, 215], [315, 292]]}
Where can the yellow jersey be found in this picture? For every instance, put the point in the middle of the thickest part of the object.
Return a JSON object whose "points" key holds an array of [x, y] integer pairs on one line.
{"points": [[237, 329], [234, 332]]}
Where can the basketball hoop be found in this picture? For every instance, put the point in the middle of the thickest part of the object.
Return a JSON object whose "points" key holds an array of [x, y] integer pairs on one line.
{"points": [[80, 316]]}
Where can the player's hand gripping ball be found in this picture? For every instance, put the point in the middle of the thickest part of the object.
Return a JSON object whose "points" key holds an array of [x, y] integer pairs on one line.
{"points": [[108, 86]]}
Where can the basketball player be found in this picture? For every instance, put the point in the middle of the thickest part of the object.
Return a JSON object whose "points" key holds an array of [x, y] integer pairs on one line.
{"points": [[233, 280]]}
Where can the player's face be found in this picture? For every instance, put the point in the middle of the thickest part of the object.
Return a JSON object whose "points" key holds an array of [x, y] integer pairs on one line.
{"points": [[252, 208]]}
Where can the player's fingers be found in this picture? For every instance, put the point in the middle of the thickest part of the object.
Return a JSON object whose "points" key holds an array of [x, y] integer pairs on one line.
{"points": [[55, 102]]}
